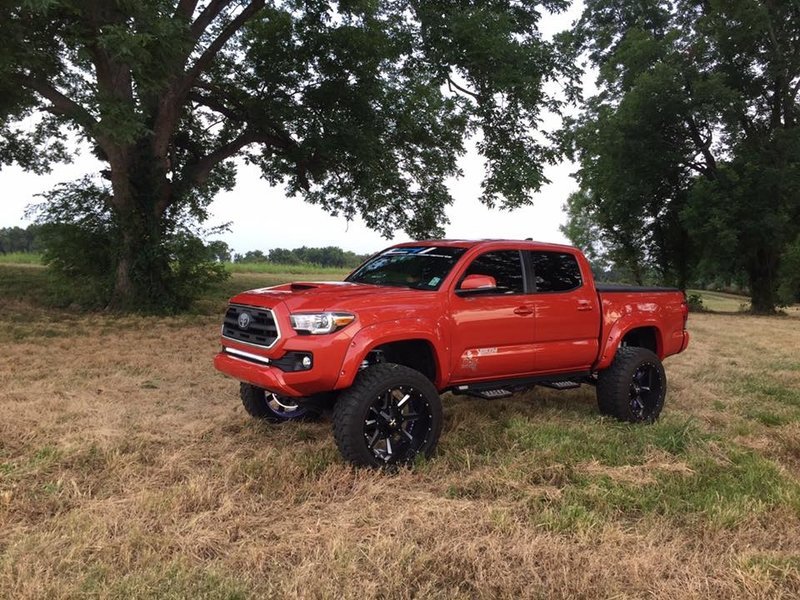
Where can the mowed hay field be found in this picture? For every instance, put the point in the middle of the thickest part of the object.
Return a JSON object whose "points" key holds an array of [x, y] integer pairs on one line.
{"points": [[128, 469]]}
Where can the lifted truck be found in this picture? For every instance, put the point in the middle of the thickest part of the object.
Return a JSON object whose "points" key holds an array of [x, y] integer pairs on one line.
{"points": [[484, 318]]}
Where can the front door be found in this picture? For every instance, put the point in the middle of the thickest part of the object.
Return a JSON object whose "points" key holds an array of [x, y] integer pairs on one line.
{"points": [[492, 329]]}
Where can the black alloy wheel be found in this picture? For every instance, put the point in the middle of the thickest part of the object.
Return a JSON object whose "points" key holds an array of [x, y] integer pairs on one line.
{"points": [[645, 391], [397, 424], [389, 416], [634, 387]]}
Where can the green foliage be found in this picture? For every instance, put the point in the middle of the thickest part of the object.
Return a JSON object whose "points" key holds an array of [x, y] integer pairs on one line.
{"points": [[360, 107], [17, 239], [690, 152], [327, 257], [81, 241], [695, 302]]}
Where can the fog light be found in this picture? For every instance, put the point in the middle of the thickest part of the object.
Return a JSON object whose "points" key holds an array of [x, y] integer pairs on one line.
{"points": [[306, 362]]}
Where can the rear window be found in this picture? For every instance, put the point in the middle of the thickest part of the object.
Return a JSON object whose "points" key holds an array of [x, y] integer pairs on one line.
{"points": [[555, 271]]}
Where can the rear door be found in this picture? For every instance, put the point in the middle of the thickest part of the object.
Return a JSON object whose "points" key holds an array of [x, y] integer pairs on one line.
{"points": [[567, 313], [492, 331]]}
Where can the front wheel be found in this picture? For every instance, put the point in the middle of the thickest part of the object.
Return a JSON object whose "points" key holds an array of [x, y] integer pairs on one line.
{"points": [[271, 407], [390, 415], [634, 387]]}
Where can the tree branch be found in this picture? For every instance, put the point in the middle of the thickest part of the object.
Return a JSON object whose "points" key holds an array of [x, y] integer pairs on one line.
{"points": [[205, 18], [186, 8], [703, 146], [205, 59], [215, 105], [174, 97], [452, 84], [198, 173], [60, 104]]}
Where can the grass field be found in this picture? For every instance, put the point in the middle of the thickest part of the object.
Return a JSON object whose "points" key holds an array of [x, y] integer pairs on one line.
{"points": [[20, 258], [129, 469], [29, 258]]}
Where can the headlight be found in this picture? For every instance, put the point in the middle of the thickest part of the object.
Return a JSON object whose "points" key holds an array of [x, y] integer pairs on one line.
{"points": [[317, 323]]}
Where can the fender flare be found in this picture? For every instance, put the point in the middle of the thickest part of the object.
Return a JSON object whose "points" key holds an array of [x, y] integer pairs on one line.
{"points": [[397, 330], [619, 330]]}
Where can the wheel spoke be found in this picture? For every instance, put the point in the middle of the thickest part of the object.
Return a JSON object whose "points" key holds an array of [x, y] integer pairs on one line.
{"points": [[389, 451], [373, 439], [403, 401], [411, 417]]}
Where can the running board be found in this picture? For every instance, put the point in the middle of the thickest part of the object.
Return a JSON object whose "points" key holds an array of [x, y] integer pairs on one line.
{"points": [[491, 394], [507, 387], [561, 385]]}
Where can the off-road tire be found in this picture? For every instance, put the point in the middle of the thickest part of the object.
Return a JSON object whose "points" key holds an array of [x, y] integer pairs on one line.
{"points": [[254, 400], [355, 404], [619, 392]]}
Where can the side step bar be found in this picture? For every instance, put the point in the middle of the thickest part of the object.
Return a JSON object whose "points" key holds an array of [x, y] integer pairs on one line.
{"points": [[561, 385], [493, 390]]}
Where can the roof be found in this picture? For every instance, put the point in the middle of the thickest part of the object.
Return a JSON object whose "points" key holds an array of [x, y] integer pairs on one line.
{"points": [[471, 243]]}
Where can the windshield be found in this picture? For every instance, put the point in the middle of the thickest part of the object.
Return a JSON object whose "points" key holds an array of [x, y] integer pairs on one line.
{"points": [[418, 267]]}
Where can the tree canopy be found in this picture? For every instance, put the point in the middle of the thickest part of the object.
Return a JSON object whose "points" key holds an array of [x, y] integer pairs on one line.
{"points": [[689, 153], [360, 106]]}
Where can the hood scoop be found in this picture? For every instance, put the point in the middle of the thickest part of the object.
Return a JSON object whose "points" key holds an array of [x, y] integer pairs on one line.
{"points": [[299, 287]]}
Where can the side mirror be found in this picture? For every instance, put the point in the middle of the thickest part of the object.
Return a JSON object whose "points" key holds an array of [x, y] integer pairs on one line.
{"points": [[477, 283]]}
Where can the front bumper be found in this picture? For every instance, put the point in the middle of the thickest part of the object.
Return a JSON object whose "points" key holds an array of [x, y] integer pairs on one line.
{"points": [[270, 378], [255, 365]]}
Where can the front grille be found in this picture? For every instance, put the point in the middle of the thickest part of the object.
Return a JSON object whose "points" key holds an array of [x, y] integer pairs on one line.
{"points": [[250, 325]]}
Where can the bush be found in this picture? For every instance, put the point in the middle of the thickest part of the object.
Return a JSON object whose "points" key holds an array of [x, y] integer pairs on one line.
{"points": [[695, 303], [81, 241]]}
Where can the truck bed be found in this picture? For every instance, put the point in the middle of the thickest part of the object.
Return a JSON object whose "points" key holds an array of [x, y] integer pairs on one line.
{"points": [[661, 310], [623, 287]]}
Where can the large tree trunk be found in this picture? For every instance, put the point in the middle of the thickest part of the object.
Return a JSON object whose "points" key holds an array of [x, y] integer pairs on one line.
{"points": [[763, 283], [142, 275]]}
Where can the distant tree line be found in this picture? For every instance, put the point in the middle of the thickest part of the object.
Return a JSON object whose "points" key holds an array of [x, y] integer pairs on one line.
{"points": [[17, 239], [329, 256]]}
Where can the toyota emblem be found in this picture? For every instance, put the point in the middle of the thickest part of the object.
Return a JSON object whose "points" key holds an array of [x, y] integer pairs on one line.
{"points": [[244, 320]]}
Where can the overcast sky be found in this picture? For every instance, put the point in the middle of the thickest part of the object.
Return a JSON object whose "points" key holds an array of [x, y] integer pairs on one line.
{"points": [[262, 217]]}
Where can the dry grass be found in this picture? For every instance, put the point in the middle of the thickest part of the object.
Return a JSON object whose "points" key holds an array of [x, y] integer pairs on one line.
{"points": [[129, 469]]}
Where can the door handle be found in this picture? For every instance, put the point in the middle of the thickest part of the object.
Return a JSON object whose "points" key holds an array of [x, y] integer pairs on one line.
{"points": [[584, 305], [523, 311]]}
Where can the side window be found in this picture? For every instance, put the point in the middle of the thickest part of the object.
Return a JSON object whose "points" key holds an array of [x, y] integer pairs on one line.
{"points": [[506, 268], [555, 271]]}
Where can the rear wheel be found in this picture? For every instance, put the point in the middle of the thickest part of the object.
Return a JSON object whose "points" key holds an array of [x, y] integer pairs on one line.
{"points": [[274, 408], [634, 387], [390, 415]]}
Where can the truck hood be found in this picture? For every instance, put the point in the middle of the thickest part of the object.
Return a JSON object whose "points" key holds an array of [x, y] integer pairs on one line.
{"points": [[333, 295]]}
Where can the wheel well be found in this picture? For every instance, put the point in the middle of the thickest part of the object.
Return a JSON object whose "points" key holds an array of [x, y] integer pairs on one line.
{"points": [[415, 354], [642, 337]]}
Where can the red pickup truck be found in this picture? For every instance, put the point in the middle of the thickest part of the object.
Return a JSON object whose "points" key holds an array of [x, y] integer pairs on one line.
{"points": [[484, 318]]}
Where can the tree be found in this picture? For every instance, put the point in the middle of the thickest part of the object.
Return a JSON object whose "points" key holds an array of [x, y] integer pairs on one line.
{"points": [[220, 250], [361, 106], [607, 247], [693, 139], [251, 256], [79, 234]]}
